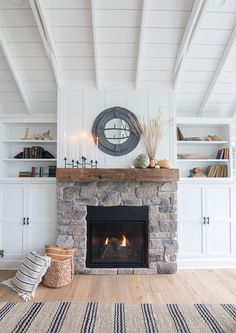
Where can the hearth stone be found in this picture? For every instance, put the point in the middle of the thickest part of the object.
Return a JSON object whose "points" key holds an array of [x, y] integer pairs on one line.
{"points": [[161, 199]]}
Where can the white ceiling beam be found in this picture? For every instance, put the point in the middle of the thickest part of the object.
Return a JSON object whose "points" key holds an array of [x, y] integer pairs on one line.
{"points": [[95, 45], [40, 16], [141, 44], [199, 7], [15, 73], [218, 72]]}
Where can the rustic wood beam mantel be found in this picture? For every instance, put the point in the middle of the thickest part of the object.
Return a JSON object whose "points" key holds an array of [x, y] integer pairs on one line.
{"points": [[99, 175]]}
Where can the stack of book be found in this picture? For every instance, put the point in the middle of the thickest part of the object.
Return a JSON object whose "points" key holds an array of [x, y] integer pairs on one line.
{"points": [[223, 154], [49, 171], [217, 171], [33, 152]]}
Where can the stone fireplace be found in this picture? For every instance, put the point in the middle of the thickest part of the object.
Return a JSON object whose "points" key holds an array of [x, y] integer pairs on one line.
{"points": [[150, 247]]}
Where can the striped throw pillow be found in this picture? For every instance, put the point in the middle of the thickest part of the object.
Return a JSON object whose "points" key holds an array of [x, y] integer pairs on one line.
{"points": [[29, 275]]}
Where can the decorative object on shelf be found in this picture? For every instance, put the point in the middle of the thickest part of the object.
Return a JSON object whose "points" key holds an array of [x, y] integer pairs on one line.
{"points": [[193, 138], [29, 275], [214, 138], [194, 156], [142, 161], [151, 132], [43, 136], [197, 173], [81, 163], [47, 155], [165, 164], [115, 131], [180, 136], [19, 155], [26, 136], [1, 253], [152, 163]]}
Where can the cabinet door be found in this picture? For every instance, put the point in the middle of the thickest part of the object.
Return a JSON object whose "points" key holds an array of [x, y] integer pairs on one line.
{"points": [[219, 211], [42, 216], [12, 231], [191, 230]]}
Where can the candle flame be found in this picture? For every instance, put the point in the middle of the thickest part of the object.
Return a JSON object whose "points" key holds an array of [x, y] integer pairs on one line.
{"points": [[107, 241]]}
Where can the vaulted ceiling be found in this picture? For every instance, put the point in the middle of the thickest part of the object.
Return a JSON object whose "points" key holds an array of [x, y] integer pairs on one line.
{"points": [[46, 44]]}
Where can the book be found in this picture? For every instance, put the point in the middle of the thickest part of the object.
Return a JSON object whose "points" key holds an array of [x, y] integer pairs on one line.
{"points": [[180, 136], [44, 171], [26, 152], [24, 174], [223, 154], [52, 171]]}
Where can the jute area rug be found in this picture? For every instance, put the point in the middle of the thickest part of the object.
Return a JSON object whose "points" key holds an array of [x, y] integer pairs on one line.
{"points": [[70, 317]]}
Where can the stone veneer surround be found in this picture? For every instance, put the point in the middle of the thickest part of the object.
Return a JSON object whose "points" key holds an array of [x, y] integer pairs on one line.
{"points": [[161, 199]]}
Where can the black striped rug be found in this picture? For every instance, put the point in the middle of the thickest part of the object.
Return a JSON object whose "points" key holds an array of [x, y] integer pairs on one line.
{"points": [[72, 317]]}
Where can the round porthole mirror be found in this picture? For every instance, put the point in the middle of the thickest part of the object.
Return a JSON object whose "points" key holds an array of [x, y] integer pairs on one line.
{"points": [[115, 130]]}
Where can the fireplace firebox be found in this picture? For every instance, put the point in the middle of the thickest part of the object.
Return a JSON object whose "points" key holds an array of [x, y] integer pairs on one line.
{"points": [[117, 237]]}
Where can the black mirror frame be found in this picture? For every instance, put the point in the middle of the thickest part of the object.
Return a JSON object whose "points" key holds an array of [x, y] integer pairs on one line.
{"points": [[99, 126]]}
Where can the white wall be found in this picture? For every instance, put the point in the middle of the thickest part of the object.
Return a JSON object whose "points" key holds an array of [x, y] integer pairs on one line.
{"points": [[77, 109]]}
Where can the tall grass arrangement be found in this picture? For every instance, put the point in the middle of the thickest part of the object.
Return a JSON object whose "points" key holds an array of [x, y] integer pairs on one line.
{"points": [[152, 131]]}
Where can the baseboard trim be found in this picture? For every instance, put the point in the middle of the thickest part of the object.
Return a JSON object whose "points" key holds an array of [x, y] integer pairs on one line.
{"points": [[182, 263], [206, 263], [10, 264]]}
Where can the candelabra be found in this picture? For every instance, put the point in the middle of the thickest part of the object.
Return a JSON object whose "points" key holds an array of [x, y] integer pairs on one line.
{"points": [[83, 163]]}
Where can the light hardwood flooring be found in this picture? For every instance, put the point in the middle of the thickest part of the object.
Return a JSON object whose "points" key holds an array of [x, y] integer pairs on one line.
{"points": [[185, 287]]}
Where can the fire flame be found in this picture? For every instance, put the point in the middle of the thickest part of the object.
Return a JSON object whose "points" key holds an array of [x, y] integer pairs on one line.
{"points": [[124, 241]]}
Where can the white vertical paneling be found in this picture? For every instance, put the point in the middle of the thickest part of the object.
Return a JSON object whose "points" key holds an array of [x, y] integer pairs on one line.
{"points": [[115, 98], [78, 110]]}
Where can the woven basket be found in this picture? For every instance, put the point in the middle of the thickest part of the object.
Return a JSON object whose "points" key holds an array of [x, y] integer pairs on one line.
{"points": [[60, 273]]}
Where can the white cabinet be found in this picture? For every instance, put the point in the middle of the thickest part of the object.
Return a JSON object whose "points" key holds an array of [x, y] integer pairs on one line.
{"points": [[27, 220], [205, 224]]}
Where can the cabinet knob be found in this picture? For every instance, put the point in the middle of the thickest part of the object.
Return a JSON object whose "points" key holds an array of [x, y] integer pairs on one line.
{"points": [[27, 221], [208, 220], [204, 220], [23, 220]]}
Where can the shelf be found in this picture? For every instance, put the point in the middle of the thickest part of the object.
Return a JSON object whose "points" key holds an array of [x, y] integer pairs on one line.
{"points": [[30, 160], [32, 180], [30, 141], [202, 160], [193, 143], [206, 179]]}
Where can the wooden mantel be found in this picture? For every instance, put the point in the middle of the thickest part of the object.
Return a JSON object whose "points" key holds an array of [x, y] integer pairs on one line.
{"points": [[94, 175]]}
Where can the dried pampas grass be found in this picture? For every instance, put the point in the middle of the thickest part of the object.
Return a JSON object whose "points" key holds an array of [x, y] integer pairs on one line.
{"points": [[152, 131]]}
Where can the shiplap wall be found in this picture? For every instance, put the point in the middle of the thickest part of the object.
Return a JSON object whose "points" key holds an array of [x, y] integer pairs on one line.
{"points": [[78, 109]]}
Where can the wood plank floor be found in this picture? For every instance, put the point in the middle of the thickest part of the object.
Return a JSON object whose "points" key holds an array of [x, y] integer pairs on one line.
{"points": [[185, 287]]}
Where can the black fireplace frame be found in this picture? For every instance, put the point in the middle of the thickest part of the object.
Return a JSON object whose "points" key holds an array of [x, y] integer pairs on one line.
{"points": [[112, 214]]}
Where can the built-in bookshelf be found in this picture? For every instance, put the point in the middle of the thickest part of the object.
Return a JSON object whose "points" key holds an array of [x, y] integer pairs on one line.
{"points": [[204, 148], [24, 149]]}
